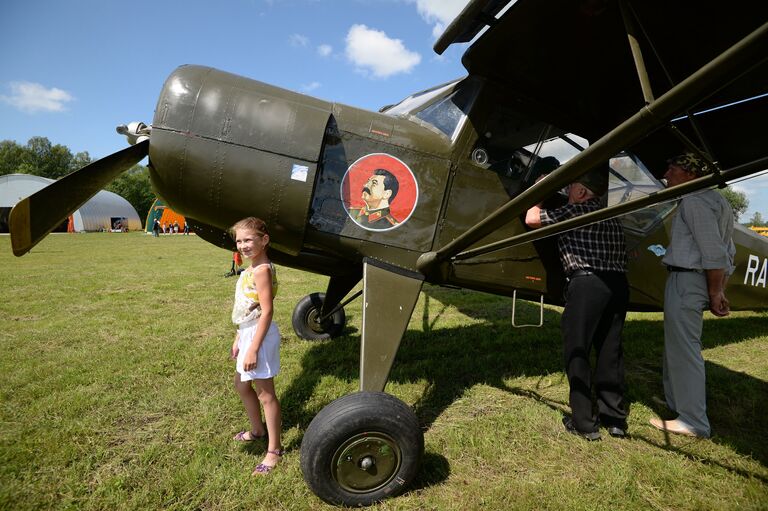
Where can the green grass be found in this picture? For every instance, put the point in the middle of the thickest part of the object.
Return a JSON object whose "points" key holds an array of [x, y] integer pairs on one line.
{"points": [[116, 394]]}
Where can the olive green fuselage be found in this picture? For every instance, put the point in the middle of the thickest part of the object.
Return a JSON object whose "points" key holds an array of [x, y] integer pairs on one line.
{"points": [[224, 147]]}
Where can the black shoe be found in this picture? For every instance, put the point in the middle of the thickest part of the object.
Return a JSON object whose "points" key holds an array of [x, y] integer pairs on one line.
{"points": [[617, 432], [590, 436], [616, 427]]}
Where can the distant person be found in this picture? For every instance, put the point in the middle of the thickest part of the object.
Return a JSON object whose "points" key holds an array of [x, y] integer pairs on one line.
{"points": [[164, 228], [237, 262], [156, 228], [595, 262], [257, 343], [699, 259], [186, 228], [175, 227]]}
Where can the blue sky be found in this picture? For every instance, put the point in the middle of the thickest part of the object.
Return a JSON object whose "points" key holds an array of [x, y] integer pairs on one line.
{"points": [[72, 70]]}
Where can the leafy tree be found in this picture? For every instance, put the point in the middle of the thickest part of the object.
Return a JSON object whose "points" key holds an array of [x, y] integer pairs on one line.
{"points": [[38, 157], [48, 160], [80, 160], [12, 157], [757, 220], [134, 186], [737, 199]]}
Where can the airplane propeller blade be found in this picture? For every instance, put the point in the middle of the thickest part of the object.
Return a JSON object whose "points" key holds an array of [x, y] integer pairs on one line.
{"points": [[34, 217]]}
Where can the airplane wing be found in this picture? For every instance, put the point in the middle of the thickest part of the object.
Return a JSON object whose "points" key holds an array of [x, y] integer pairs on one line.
{"points": [[580, 57], [651, 76]]}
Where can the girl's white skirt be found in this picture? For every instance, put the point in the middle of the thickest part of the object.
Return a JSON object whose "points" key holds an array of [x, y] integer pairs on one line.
{"points": [[268, 363]]}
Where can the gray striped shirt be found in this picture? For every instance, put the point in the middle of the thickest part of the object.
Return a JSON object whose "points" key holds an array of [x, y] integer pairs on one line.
{"points": [[701, 236]]}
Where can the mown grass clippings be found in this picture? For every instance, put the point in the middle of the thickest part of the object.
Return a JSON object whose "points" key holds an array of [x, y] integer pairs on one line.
{"points": [[117, 394]]}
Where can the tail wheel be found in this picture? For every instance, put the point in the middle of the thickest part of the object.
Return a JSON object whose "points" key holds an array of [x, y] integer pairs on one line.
{"points": [[361, 448], [306, 319]]}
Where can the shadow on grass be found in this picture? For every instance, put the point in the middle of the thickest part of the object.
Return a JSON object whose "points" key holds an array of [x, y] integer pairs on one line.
{"points": [[737, 403], [668, 446], [453, 360]]}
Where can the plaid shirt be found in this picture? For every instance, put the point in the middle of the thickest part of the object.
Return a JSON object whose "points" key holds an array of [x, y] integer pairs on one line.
{"points": [[599, 246]]}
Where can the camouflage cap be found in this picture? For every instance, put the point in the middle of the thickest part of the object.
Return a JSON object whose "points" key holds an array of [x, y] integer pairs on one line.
{"points": [[596, 180], [692, 163]]}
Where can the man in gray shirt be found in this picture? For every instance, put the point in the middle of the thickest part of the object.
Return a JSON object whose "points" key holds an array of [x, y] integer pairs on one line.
{"points": [[699, 259]]}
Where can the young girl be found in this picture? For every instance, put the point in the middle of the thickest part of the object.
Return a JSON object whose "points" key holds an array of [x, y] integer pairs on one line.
{"points": [[257, 343]]}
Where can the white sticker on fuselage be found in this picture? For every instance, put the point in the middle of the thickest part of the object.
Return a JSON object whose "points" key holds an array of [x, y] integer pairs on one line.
{"points": [[299, 173], [658, 250]]}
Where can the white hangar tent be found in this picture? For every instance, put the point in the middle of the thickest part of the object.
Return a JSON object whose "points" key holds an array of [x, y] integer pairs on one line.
{"points": [[105, 210]]}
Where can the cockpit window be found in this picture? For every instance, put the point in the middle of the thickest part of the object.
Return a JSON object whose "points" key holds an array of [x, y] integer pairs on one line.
{"points": [[417, 101], [444, 107], [553, 152], [628, 180], [447, 114], [507, 148]]}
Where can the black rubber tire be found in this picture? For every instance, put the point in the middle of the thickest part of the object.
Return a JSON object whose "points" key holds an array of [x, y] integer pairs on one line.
{"points": [[372, 428], [304, 319]]}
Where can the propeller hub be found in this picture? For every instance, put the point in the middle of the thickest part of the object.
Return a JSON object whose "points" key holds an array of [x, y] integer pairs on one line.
{"points": [[135, 131]]}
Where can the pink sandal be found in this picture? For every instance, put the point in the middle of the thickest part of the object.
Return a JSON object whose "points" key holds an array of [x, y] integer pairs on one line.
{"points": [[264, 469]]}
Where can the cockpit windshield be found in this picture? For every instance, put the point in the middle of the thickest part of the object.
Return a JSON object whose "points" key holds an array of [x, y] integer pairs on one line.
{"points": [[628, 180], [444, 107], [415, 102]]}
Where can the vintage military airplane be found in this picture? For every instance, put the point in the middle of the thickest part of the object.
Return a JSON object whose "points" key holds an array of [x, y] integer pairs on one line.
{"points": [[432, 189]]}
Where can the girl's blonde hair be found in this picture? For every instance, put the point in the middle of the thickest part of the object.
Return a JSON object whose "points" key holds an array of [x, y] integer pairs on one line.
{"points": [[250, 223]]}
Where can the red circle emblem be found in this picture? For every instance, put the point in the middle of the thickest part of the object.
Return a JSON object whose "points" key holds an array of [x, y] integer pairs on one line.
{"points": [[379, 192]]}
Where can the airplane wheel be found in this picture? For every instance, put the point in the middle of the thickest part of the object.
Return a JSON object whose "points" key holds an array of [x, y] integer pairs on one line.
{"points": [[361, 448], [305, 319]]}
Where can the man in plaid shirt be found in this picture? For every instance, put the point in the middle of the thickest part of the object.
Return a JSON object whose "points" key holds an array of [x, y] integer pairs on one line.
{"points": [[595, 262]]}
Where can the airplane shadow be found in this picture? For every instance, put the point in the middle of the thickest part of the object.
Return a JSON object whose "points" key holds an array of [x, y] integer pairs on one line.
{"points": [[490, 352]]}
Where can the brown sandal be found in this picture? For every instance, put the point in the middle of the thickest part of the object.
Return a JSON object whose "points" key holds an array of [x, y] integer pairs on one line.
{"points": [[240, 437]]}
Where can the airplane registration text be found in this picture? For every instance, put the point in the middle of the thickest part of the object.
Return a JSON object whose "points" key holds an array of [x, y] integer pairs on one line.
{"points": [[756, 273]]}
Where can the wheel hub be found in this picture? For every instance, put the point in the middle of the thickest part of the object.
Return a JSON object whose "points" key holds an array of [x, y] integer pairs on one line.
{"points": [[313, 321], [366, 462]]}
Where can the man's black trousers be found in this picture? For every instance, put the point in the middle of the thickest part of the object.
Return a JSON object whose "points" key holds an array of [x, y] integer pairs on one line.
{"points": [[595, 309]]}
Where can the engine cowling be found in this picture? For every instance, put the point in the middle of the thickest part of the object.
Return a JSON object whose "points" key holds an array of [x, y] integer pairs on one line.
{"points": [[225, 147]]}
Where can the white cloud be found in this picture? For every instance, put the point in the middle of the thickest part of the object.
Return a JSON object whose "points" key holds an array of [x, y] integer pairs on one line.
{"points": [[311, 86], [439, 13], [298, 40], [32, 97], [324, 50], [371, 50]]}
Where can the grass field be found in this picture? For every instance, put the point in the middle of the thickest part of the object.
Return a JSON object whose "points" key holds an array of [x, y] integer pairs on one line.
{"points": [[116, 394]]}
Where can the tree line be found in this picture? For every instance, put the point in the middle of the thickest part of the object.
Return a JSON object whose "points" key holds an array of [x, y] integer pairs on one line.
{"points": [[39, 157]]}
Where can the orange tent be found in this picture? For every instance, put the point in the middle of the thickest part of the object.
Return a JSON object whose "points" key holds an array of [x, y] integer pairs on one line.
{"points": [[164, 215]]}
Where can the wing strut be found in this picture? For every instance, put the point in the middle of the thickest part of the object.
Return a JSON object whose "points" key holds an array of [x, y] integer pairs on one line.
{"points": [[637, 54], [631, 23], [620, 209], [728, 66]]}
